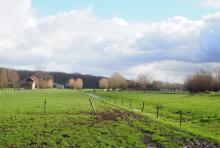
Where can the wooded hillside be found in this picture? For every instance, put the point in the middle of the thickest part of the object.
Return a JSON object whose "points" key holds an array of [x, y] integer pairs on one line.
{"points": [[89, 81]]}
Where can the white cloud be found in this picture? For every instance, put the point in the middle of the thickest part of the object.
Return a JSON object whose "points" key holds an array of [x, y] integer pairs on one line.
{"points": [[14, 16], [210, 3], [169, 71], [78, 41]]}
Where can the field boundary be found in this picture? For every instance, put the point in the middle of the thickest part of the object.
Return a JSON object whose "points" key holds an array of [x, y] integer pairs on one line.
{"points": [[161, 119], [141, 111]]}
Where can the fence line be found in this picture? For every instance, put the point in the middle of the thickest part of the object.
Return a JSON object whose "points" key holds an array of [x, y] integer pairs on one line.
{"points": [[120, 105]]}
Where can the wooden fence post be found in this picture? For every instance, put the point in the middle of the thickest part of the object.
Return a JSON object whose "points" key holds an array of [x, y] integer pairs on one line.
{"points": [[93, 108], [142, 110], [45, 107], [158, 107], [181, 117], [122, 101]]}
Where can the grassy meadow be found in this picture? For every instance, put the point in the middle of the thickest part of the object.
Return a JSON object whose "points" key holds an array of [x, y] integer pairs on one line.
{"points": [[201, 112], [70, 122]]}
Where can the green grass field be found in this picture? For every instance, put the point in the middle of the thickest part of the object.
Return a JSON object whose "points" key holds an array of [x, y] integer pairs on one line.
{"points": [[201, 112], [70, 122]]}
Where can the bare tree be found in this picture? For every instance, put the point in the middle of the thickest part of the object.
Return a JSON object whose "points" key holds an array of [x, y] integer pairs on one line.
{"points": [[103, 83], [50, 83], [3, 78], [72, 83], [216, 80], [132, 85], [144, 81], [156, 85], [79, 83], [13, 78], [117, 81], [199, 82]]}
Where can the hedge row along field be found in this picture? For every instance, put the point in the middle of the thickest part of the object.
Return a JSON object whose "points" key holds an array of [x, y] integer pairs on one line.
{"points": [[67, 120]]}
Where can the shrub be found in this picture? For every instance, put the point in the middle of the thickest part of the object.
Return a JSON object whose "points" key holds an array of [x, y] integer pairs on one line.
{"points": [[199, 82]]}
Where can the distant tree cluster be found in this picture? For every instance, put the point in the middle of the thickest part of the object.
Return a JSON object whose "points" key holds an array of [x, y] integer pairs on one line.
{"points": [[203, 81], [43, 79], [147, 84], [75, 84], [104, 83], [72, 83], [8, 78], [116, 81], [143, 82]]}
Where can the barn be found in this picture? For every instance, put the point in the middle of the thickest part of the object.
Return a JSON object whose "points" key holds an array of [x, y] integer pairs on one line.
{"points": [[29, 83]]}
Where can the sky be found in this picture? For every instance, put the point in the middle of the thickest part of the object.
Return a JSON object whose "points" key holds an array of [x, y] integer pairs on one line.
{"points": [[166, 39], [141, 10]]}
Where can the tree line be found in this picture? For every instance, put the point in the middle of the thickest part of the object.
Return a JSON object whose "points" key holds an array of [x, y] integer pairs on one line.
{"points": [[62, 78], [198, 82], [8, 78], [143, 82], [202, 81]]}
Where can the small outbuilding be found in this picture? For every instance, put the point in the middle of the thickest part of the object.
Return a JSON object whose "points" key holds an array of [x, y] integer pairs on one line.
{"points": [[29, 83], [58, 86]]}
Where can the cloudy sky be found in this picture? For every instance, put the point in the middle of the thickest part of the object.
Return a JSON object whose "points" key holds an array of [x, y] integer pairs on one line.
{"points": [[168, 39]]}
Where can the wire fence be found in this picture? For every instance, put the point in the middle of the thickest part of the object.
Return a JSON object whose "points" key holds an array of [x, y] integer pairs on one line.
{"points": [[159, 111]]}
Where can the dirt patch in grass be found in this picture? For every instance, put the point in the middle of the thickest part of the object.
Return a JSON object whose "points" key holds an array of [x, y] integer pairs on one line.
{"points": [[147, 140], [198, 144], [117, 115], [114, 115]]}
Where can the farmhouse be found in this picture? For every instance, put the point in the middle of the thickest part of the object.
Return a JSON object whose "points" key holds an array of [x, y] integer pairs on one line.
{"points": [[29, 83]]}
